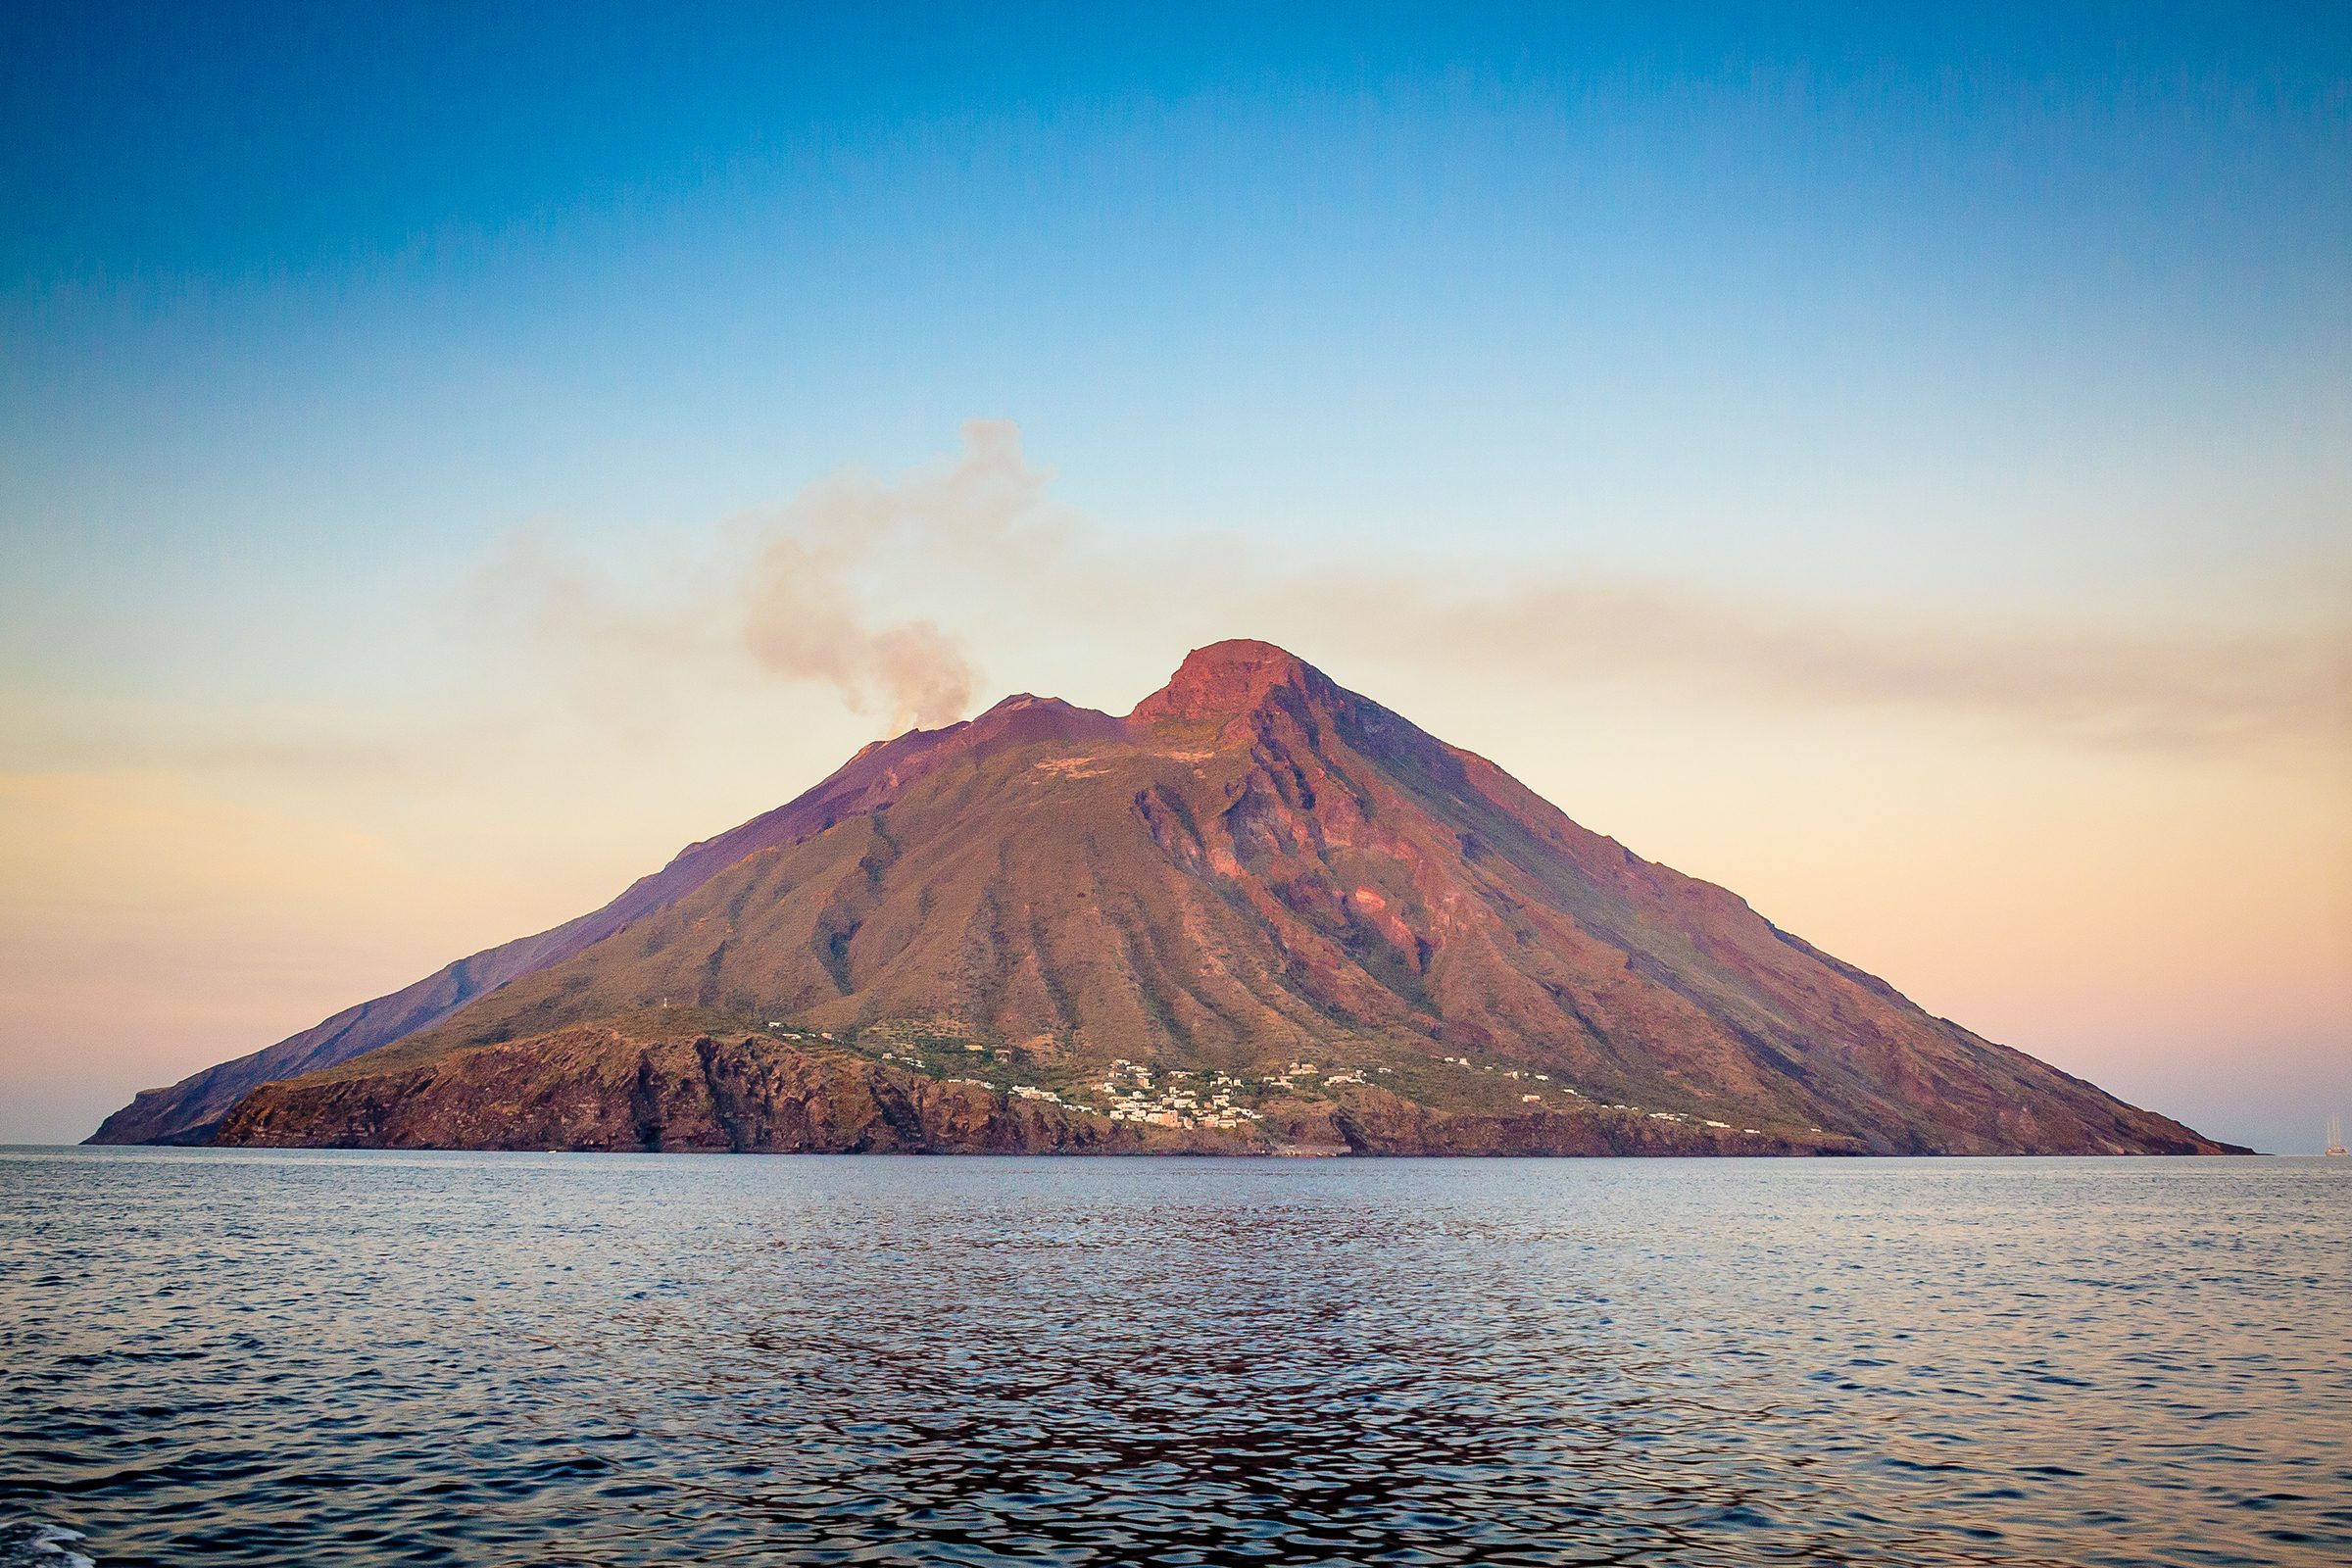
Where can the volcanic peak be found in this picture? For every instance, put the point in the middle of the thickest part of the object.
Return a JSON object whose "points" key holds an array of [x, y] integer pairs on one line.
{"points": [[1228, 679], [1023, 718]]}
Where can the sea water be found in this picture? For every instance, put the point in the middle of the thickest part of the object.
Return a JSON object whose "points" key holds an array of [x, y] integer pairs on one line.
{"points": [[358, 1359]]}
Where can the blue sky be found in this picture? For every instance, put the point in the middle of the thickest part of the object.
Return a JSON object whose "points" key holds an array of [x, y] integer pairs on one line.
{"points": [[1545, 249], [2018, 317]]}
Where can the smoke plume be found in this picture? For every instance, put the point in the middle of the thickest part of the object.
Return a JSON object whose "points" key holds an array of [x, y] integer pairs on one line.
{"points": [[974, 543], [790, 594]]}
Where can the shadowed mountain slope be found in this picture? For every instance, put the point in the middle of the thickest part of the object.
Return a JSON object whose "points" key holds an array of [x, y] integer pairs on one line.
{"points": [[1362, 936]]}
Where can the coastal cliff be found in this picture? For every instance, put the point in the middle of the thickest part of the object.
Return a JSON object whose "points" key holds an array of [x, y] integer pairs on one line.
{"points": [[605, 1090]]}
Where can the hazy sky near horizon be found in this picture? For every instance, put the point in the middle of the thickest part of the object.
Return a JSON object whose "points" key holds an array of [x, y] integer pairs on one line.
{"points": [[1898, 467]]}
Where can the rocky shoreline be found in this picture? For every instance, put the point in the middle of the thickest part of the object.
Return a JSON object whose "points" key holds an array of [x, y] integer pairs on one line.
{"points": [[602, 1090]]}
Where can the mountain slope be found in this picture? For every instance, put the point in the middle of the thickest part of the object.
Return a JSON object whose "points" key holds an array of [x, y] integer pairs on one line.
{"points": [[1253, 872], [186, 1112]]}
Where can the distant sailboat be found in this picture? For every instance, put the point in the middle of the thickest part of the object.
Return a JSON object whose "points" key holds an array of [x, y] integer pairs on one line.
{"points": [[2335, 1138]]}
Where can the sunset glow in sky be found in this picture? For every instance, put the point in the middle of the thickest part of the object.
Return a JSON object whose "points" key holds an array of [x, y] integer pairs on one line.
{"points": [[1899, 470]]}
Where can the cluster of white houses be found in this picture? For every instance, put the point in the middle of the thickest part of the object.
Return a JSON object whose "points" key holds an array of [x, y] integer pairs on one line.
{"points": [[1178, 1097], [1182, 1099]]}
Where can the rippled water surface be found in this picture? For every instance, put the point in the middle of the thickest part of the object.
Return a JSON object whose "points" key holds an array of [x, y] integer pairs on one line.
{"points": [[253, 1357]]}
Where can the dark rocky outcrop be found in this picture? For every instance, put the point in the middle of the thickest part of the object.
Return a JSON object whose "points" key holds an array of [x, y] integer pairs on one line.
{"points": [[600, 1088]]}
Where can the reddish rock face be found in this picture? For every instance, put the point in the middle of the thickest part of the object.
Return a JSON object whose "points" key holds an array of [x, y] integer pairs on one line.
{"points": [[1255, 869], [1230, 680]]}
